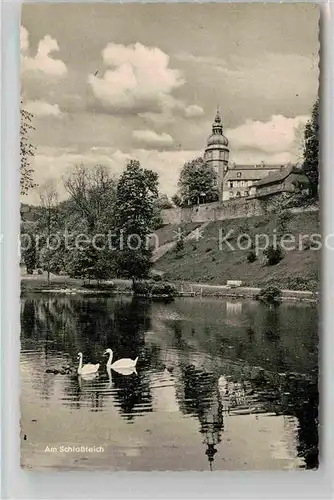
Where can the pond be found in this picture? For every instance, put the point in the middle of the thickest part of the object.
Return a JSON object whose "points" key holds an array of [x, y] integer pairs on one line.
{"points": [[219, 385]]}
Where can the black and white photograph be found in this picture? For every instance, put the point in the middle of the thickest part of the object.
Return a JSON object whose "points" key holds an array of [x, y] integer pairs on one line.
{"points": [[170, 236]]}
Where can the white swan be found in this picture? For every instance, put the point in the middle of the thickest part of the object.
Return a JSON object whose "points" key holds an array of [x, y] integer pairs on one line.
{"points": [[125, 371], [87, 369], [121, 365]]}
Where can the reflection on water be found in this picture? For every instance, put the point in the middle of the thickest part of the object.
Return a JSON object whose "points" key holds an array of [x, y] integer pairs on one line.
{"points": [[219, 385]]}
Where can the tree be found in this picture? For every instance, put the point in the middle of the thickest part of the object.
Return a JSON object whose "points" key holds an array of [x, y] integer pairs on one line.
{"points": [[47, 226], [135, 214], [163, 202], [176, 199], [29, 253], [311, 150], [90, 211], [92, 193], [197, 183], [90, 263], [27, 151], [274, 255]]}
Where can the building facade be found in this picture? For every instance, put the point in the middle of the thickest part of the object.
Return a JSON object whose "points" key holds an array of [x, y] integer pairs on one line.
{"points": [[217, 152], [233, 181], [287, 181]]}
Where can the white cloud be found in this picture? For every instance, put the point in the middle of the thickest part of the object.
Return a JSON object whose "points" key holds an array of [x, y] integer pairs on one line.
{"points": [[42, 109], [151, 140], [274, 136], [193, 111], [139, 80], [139, 77], [42, 62]]}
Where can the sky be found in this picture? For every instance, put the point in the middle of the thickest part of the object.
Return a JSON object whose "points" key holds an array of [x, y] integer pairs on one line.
{"points": [[111, 82]]}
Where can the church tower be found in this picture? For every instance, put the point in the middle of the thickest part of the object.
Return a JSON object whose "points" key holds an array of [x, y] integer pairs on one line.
{"points": [[217, 152]]}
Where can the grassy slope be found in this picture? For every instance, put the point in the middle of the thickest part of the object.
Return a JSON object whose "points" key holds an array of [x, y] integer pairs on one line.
{"points": [[204, 262], [170, 232]]}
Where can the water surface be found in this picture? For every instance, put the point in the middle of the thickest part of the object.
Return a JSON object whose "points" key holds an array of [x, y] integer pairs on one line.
{"points": [[219, 385]]}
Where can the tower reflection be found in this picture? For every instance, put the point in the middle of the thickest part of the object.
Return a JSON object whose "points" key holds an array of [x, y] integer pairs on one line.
{"points": [[200, 397]]}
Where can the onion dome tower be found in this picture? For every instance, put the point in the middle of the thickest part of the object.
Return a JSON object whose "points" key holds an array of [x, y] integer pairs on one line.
{"points": [[217, 152]]}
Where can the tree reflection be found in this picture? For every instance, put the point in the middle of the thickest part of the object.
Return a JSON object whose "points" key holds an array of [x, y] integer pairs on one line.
{"points": [[133, 394], [300, 398]]}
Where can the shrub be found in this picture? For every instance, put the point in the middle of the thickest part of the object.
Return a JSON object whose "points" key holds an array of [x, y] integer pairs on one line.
{"points": [[270, 294], [179, 245], [251, 257], [283, 218], [164, 288], [149, 289], [273, 255], [142, 288], [298, 283], [156, 277], [306, 245]]}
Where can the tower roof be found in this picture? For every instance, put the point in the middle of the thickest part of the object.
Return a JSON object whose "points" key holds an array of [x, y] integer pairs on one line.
{"points": [[217, 137], [217, 117]]}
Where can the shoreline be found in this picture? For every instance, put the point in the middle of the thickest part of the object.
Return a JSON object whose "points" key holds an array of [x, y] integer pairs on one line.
{"points": [[66, 286]]}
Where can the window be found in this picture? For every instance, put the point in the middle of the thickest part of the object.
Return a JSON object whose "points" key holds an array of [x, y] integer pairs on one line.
{"points": [[231, 184], [231, 194], [238, 174], [238, 194]]}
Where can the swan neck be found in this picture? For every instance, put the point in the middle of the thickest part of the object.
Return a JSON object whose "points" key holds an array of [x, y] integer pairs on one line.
{"points": [[80, 364], [110, 358]]}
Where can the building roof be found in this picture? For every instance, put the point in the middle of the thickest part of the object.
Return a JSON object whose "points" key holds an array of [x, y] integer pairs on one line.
{"points": [[249, 172], [276, 177], [261, 166], [217, 139]]}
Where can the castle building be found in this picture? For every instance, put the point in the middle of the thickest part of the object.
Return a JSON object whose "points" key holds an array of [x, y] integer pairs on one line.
{"points": [[217, 151], [233, 181]]}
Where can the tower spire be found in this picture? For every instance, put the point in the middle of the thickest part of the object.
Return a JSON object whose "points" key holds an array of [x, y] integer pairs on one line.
{"points": [[217, 117]]}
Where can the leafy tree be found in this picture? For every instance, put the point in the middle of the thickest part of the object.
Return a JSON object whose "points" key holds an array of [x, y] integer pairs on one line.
{"points": [[311, 150], [92, 195], [27, 151], [270, 294], [52, 254], [163, 202], [47, 226], [90, 263], [251, 256], [180, 243], [197, 183], [176, 199], [274, 255], [90, 211], [135, 214], [29, 253]]}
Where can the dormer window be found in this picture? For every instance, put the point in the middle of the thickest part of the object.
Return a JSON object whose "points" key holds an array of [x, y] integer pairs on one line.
{"points": [[238, 174]]}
